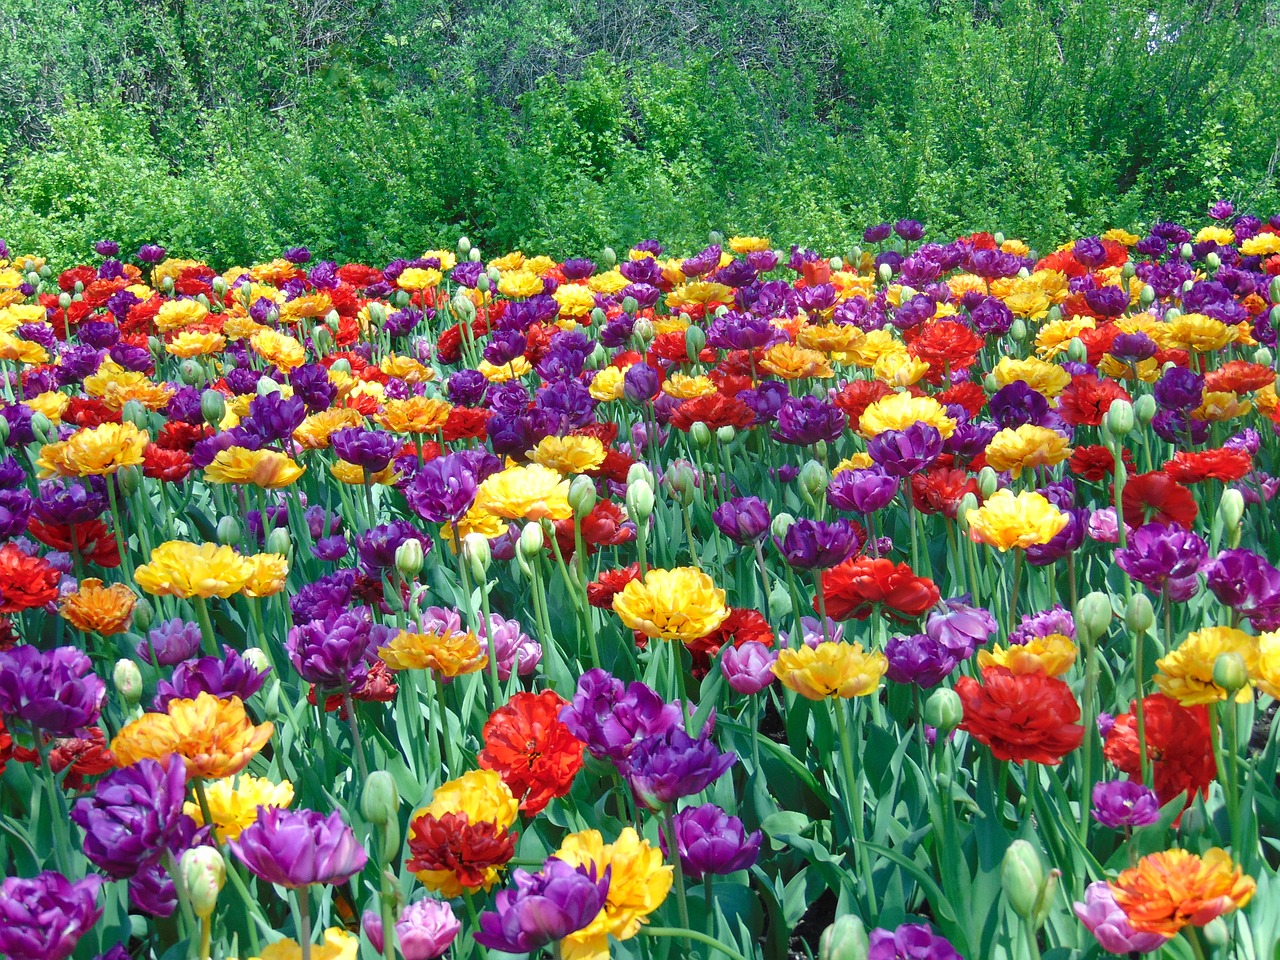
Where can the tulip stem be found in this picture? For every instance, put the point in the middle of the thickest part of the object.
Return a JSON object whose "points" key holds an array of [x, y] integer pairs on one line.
{"points": [[693, 935], [206, 937], [857, 805], [304, 921], [57, 804], [203, 800], [357, 747], [1033, 948], [673, 848], [448, 749], [180, 889], [1144, 764], [764, 574], [206, 625], [125, 561], [822, 605], [1193, 938], [1015, 590]]}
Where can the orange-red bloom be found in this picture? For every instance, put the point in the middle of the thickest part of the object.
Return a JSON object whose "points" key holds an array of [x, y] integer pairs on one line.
{"points": [[1173, 889], [861, 586], [1238, 376], [1178, 745], [453, 844], [1157, 498], [1027, 717], [1194, 466], [536, 755], [600, 592], [1095, 462], [743, 625], [715, 410], [940, 490], [94, 540], [25, 581], [81, 757], [1087, 398]]}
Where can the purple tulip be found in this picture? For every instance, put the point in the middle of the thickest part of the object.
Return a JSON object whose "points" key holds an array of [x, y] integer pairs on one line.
{"points": [[331, 653], [545, 907], [1124, 803], [371, 449], [748, 668], [151, 253], [296, 848], [671, 765], [862, 491], [901, 453], [134, 816], [817, 544], [711, 842], [442, 490], [1057, 619], [911, 941], [959, 627], [808, 420], [743, 520], [425, 930], [611, 717], [54, 691], [1109, 924], [43, 918], [513, 648], [297, 255], [919, 659], [230, 675], [1157, 554]]}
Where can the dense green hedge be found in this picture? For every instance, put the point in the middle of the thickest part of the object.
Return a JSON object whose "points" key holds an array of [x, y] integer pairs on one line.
{"points": [[232, 128]]}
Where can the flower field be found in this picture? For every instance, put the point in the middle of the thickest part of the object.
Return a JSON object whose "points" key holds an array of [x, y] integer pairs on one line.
{"points": [[913, 603]]}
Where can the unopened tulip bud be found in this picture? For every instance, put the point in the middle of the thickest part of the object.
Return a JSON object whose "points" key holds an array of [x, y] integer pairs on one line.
{"points": [[341, 366], [1215, 933], [474, 255], [885, 273], [943, 710], [410, 558], [1022, 876], [203, 873], [219, 287], [1128, 271], [1145, 409], [846, 939], [128, 681], [1054, 314], [228, 531], [642, 331], [639, 501], [1018, 330], [1147, 296], [64, 300], [1093, 615], [1186, 252], [377, 314], [598, 358], [1231, 673], [1119, 418], [726, 434], [582, 495], [1173, 313], [266, 386], [321, 339], [401, 298], [700, 434], [814, 480], [475, 550], [1139, 616], [190, 372], [1274, 289], [780, 605], [715, 237], [695, 338], [968, 502], [280, 541], [256, 657], [1077, 352], [1262, 357], [1231, 508], [129, 479], [483, 283], [135, 413], [781, 524], [598, 317], [990, 384], [1214, 261], [609, 257], [4, 430], [213, 407], [42, 427], [143, 615], [464, 246], [380, 800], [988, 482], [630, 305], [1048, 892], [681, 481], [531, 541], [639, 471], [1275, 317]]}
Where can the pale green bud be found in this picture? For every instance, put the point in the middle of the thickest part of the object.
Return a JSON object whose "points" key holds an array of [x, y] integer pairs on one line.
{"points": [[475, 551], [779, 602], [781, 524], [410, 558], [943, 710], [1231, 508], [483, 283], [191, 372], [814, 480], [726, 434], [143, 615], [219, 287], [342, 366], [639, 501], [267, 386], [135, 413], [609, 257], [1214, 261], [1022, 876], [464, 246], [129, 479], [1128, 271], [999, 238], [228, 531], [836, 263], [885, 272], [967, 502], [380, 800], [531, 541], [1216, 933], [1275, 289], [695, 338], [280, 541], [213, 407], [42, 427], [1186, 252], [700, 434], [256, 657], [1147, 296], [1139, 616], [64, 300], [474, 255], [128, 681], [598, 317], [846, 939], [1119, 418], [1093, 615], [1076, 351], [642, 331], [639, 471], [203, 873], [582, 495], [630, 305], [1144, 409], [1262, 356], [1018, 330], [988, 482], [1231, 673], [715, 237]]}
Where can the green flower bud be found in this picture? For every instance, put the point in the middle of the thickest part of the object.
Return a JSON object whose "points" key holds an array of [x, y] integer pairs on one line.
{"points": [[377, 314], [1119, 418], [988, 482], [1275, 289], [639, 471], [463, 309], [1022, 876], [143, 615], [1262, 357], [967, 502], [855, 256], [630, 305], [1018, 330], [256, 657], [475, 550], [474, 255], [700, 434], [128, 681], [582, 495], [203, 873], [410, 558], [680, 480], [836, 263], [1216, 933], [597, 358], [943, 710], [167, 284], [228, 531], [813, 480], [1144, 409], [219, 287], [1139, 615], [342, 366], [401, 298], [642, 332], [726, 434], [990, 384], [266, 386], [998, 236], [64, 300], [280, 541], [639, 501], [779, 602], [42, 427], [1230, 673], [1076, 351], [1186, 252], [213, 407], [1044, 900], [1147, 296], [846, 939], [135, 413], [1173, 313], [155, 345], [609, 257], [695, 338], [322, 339], [380, 800], [885, 272], [715, 237], [781, 524], [1275, 317], [129, 479], [1093, 615], [1214, 261], [464, 246], [1055, 312], [531, 541], [191, 372], [1231, 509], [1128, 271], [4, 430]]}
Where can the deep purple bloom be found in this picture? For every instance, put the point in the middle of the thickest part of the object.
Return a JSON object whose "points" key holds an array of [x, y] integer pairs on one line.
{"points": [[1109, 924], [1179, 389], [171, 641], [1124, 803], [106, 248], [919, 659], [274, 416], [901, 453], [54, 691], [134, 816], [610, 716], [68, 501], [1157, 554], [1246, 582], [1133, 347], [43, 918], [807, 420], [959, 627], [663, 768], [748, 668], [544, 907], [443, 489], [743, 520], [331, 653], [15, 511], [1065, 541], [711, 841], [909, 230], [230, 675], [817, 544], [370, 449], [1221, 210], [311, 383], [297, 255], [150, 253], [862, 491], [1016, 404], [331, 549], [640, 383], [1107, 301], [911, 941], [296, 848], [377, 546], [1090, 252]]}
